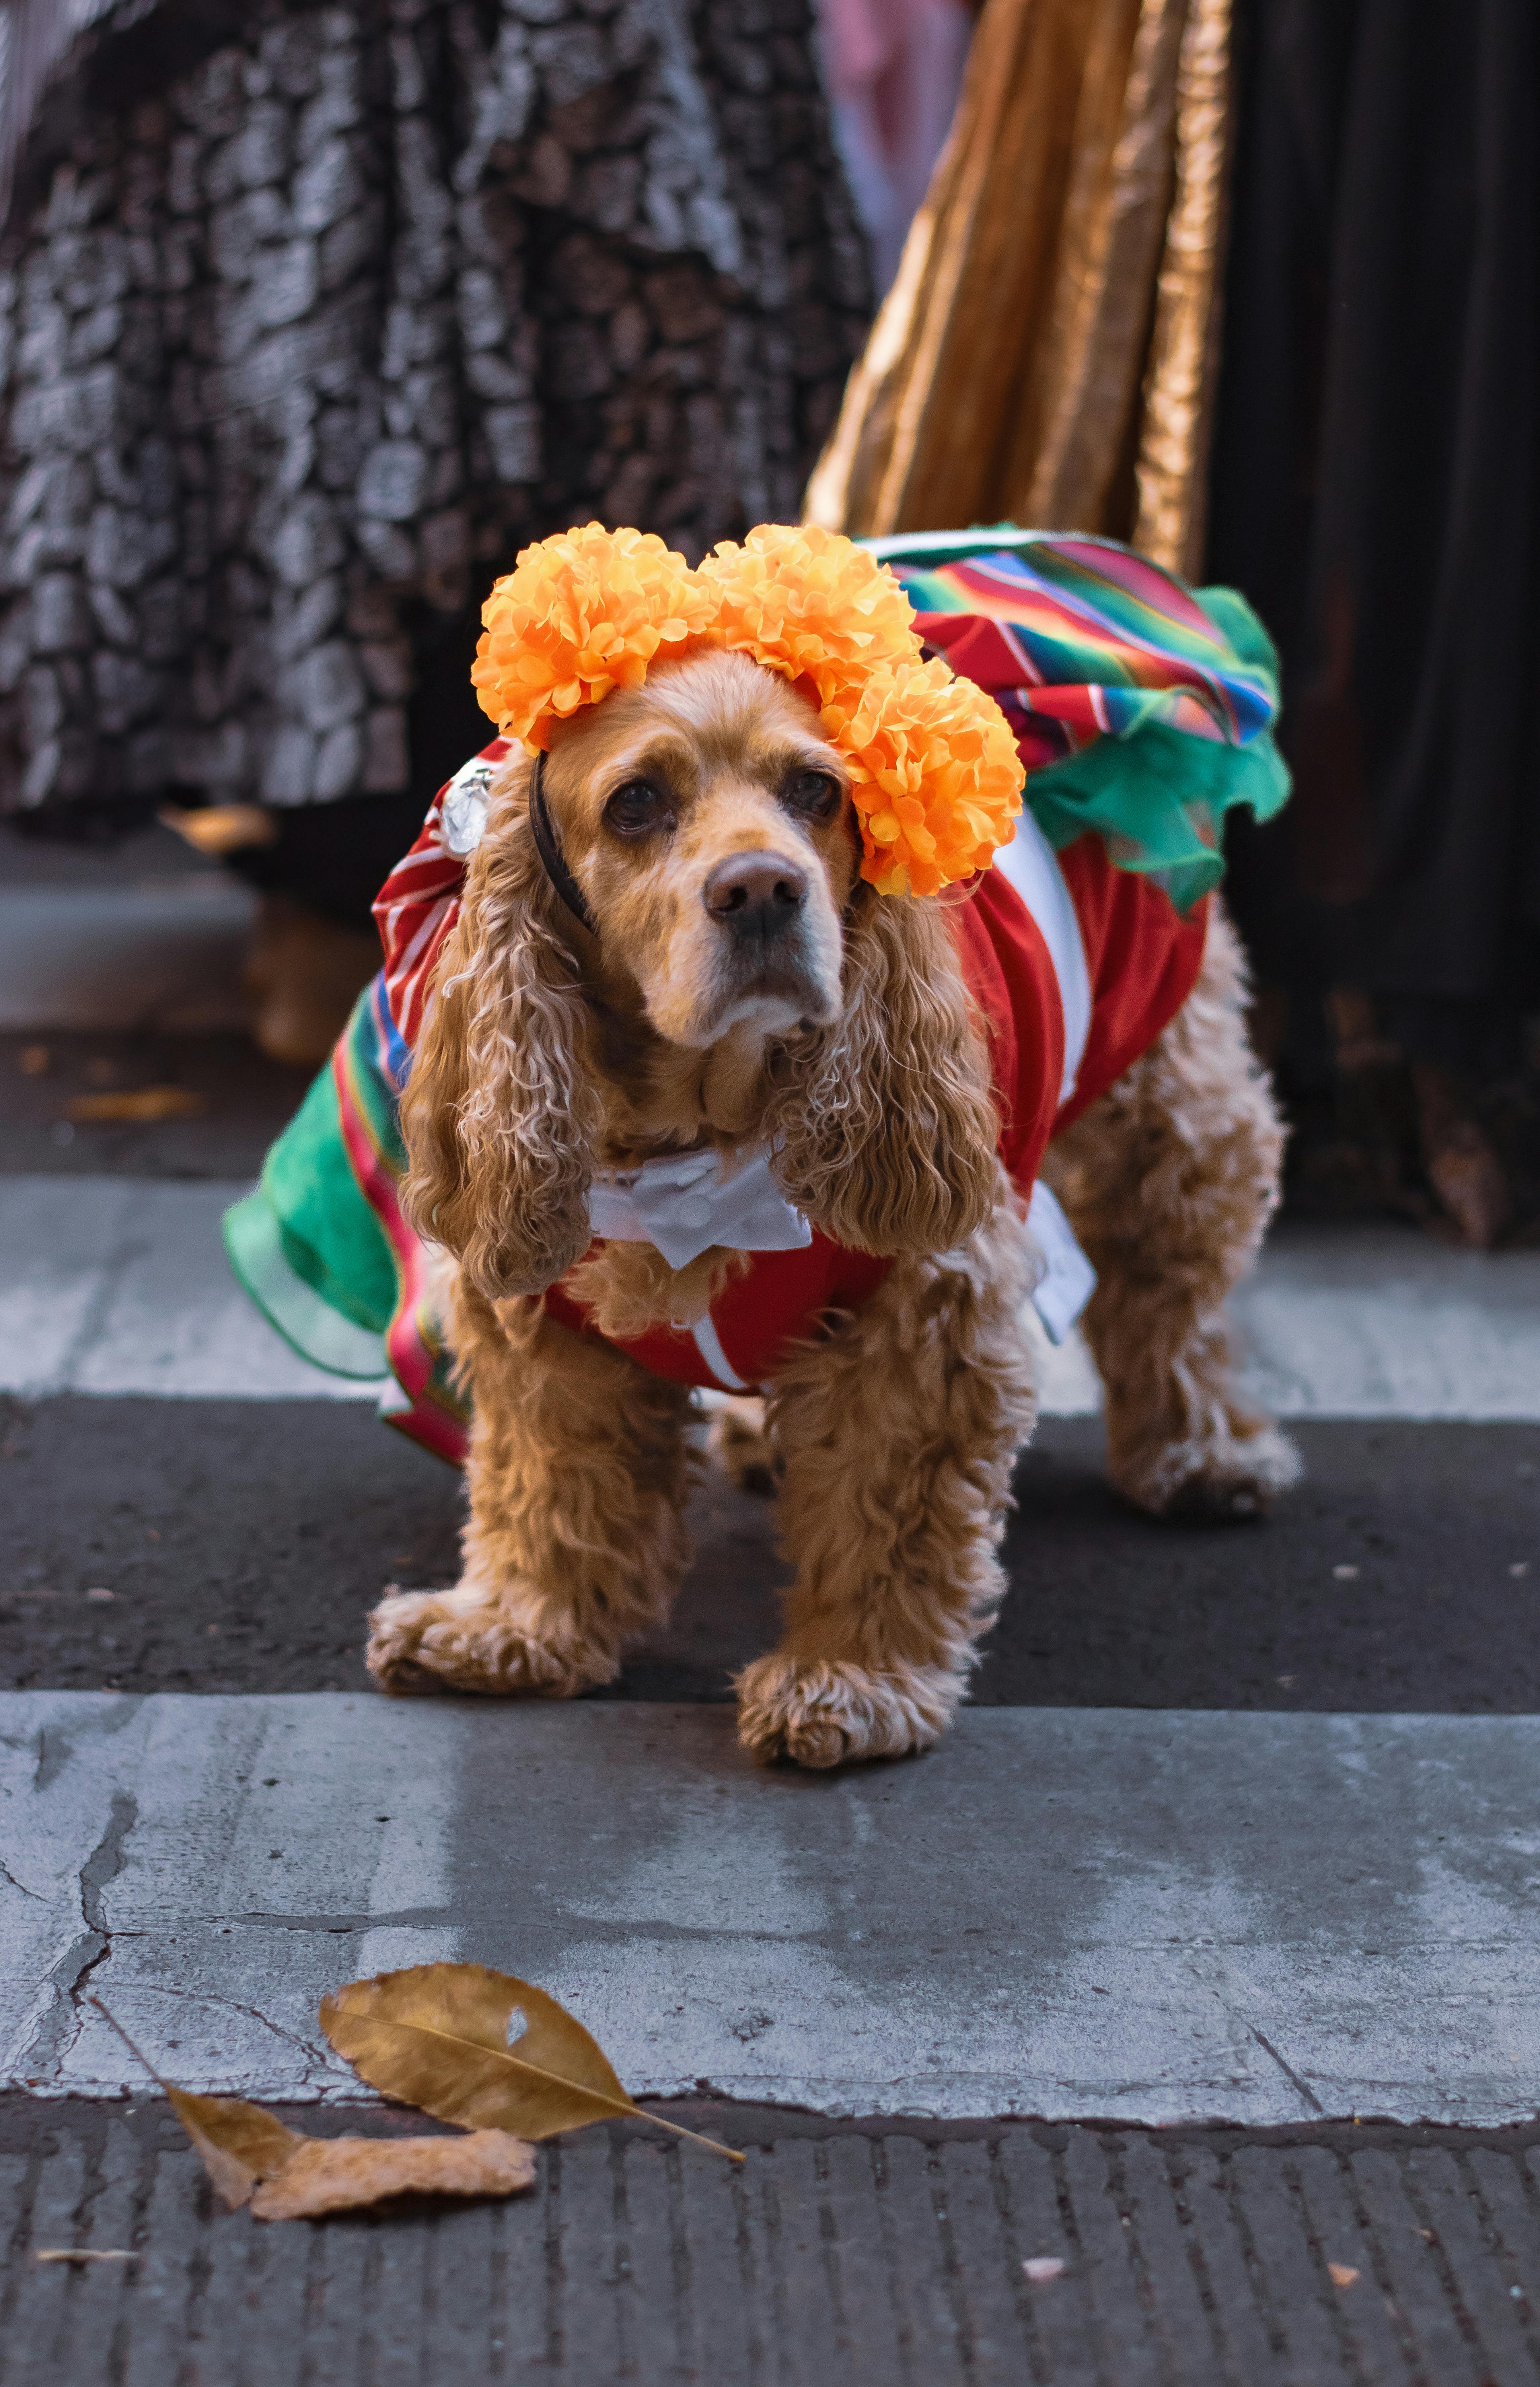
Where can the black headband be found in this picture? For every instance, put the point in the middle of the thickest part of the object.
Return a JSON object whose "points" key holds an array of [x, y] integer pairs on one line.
{"points": [[547, 846]]}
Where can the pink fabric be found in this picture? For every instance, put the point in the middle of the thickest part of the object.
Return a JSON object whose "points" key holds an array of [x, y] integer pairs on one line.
{"points": [[894, 69]]}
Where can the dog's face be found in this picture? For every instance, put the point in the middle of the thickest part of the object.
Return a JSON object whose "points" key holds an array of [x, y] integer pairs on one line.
{"points": [[708, 822], [709, 825]]}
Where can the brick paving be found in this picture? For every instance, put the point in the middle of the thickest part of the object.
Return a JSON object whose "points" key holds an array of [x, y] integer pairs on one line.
{"points": [[839, 2253]]}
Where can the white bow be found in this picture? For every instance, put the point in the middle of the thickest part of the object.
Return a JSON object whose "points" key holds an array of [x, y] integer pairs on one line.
{"points": [[688, 1201]]}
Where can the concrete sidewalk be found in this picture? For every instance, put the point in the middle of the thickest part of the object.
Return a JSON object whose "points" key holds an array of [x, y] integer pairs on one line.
{"points": [[114, 1285], [1153, 1918]]}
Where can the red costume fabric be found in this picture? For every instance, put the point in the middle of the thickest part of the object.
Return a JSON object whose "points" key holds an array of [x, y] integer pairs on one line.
{"points": [[1141, 958]]}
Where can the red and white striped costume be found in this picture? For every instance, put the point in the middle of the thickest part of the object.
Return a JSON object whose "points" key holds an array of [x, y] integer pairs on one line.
{"points": [[1075, 966]]}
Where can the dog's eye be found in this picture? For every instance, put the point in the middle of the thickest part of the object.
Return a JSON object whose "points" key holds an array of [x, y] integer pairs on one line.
{"points": [[813, 793], [638, 807]]}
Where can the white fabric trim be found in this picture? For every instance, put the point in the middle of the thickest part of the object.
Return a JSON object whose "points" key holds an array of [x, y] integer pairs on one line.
{"points": [[686, 1202], [1068, 1280], [708, 1342], [1031, 867], [906, 543]]}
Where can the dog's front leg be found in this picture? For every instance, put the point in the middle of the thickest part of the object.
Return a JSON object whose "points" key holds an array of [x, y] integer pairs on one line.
{"points": [[576, 1540], [898, 1434]]}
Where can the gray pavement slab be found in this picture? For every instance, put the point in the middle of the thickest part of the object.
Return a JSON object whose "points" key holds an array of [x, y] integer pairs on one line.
{"points": [[1077, 1913], [871, 2254], [244, 1541], [112, 1285], [119, 1285], [156, 953]]}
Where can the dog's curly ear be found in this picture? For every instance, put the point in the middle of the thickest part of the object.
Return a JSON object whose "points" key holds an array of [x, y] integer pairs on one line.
{"points": [[886, 1120], [500, 1113]]}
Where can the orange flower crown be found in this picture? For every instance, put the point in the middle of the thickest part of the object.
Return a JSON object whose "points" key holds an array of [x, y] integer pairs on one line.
{"points": [[936, 778]]}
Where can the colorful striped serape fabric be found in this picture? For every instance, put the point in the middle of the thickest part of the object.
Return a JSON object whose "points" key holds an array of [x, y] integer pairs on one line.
{"points": [[322, 1247], [1142, 709]]}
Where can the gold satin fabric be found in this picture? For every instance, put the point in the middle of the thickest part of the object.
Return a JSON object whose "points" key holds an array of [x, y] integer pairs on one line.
{"points": [[1046, 352]]}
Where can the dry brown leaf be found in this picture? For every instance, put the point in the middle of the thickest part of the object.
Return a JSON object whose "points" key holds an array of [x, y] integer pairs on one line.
{"points": [[330, 2175], [1343, 2274], [240, 2144], [142, 1106], [437, 2035], [254, 2158], [218, 829]]}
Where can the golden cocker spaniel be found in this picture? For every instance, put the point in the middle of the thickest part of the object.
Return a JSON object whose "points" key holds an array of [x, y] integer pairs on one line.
{"points": [[740, 989]]}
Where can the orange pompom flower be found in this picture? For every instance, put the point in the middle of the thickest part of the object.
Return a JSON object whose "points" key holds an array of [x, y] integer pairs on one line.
{"points": [[937, 777], [578, 616], [809, 602]]}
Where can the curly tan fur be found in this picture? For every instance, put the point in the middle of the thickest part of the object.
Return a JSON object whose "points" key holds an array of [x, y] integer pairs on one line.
{"points": [[549, 1053], [629, 1287], [1169, 1181], [500, 1113], [886, 1118], [575, 1543], [897, 1436]]}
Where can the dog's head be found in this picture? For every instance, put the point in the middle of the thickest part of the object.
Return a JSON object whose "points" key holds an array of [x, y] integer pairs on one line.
{"points": [[707, 822]]}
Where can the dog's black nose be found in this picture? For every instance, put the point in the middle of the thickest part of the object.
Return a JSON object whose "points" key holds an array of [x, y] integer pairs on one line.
{"points": [[756, 895]]}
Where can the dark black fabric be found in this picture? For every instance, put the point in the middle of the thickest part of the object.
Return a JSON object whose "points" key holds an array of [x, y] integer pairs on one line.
{"points": [[1374, 492]]}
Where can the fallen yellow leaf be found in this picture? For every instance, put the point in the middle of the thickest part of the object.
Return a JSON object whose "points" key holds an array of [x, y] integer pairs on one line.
{"points": [[330, 2175], [437, 2035], [1343, 2274], [140, 1106], [240, 2144], [254, 2158]]}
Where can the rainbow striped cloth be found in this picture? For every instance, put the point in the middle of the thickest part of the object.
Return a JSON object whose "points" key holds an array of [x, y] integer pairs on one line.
{"points": [[1142, 708], [322, 1247]]}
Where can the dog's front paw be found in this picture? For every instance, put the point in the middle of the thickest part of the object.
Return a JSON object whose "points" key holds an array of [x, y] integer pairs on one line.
{"points": [[820, 1712], [1228, 1478], [462, 1640]]}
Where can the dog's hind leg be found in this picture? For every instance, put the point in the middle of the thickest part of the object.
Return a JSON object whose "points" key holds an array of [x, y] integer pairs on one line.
{"points": [[576, 1540], [1169, 1181], [897, 1433]]}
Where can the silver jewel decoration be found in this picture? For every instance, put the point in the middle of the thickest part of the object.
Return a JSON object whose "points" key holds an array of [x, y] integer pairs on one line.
{"points": [[463, 820]]}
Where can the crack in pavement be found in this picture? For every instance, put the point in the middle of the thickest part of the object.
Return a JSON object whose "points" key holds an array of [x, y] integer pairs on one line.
{"points": [[105, 1861], [104, 1864], [59, 2029], [313, 2056], [21, 1885], [1287, 2069], [401, 1919]]}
